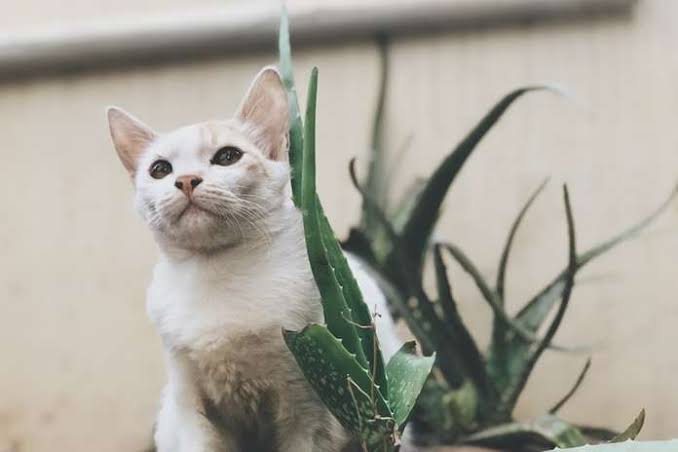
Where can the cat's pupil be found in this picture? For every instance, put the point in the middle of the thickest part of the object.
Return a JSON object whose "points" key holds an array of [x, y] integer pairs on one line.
{"points": [[160, 169], [227, 156]]}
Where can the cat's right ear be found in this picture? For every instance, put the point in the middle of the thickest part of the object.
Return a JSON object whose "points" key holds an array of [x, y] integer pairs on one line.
{"points": [[130, 137]]}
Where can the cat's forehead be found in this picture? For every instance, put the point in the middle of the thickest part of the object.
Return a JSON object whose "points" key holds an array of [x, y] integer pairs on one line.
{"points": [[202, 137]]}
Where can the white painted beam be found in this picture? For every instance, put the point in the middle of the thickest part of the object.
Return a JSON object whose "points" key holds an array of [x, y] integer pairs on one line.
{"points": [[149, 40]]}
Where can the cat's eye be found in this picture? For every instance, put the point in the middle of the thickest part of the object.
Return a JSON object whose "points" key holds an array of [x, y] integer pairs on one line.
{"points": [[226, 156], [160, 169]]}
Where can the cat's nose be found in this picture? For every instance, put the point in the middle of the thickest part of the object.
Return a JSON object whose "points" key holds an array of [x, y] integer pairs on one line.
{"points": [[187, 183]]}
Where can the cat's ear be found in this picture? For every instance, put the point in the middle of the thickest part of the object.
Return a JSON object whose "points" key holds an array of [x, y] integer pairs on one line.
{"points": [[265, 107], [130, 137]]}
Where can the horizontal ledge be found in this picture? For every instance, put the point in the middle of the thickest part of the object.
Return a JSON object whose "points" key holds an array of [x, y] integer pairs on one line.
{"points": [[186, 37]]}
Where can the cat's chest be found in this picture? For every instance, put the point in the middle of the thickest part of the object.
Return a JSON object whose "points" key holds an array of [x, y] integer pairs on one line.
{"points": [[249, 366], [203, 304]]}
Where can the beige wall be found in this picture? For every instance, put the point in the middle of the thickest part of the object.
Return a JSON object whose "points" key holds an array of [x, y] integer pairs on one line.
{"points": [[82, 367]]}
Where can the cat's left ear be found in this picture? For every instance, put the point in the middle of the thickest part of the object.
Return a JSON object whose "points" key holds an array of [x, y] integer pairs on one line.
{"points": [[130, 136], [266, 108]]}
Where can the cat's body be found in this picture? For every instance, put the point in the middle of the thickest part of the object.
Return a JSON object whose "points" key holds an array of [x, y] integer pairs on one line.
{"points": [[220, 316], [233, 273]]}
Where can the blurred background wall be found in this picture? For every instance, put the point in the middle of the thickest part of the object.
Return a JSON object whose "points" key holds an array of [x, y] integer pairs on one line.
{"points": [[81, 366]]}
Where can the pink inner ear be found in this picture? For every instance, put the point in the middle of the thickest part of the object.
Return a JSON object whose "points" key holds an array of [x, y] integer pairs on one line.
{"points": [[130, 136], [265, 107]]}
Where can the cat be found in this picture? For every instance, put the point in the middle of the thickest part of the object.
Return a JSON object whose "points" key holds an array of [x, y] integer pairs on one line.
{"points": [[232, 272]]}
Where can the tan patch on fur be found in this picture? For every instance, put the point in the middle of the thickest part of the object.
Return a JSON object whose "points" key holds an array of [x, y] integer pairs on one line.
{"points": [[256, 384]]}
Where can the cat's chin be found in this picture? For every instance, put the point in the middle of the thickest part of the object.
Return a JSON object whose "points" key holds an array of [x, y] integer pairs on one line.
{"points": [[198, 229], [193, 213]]}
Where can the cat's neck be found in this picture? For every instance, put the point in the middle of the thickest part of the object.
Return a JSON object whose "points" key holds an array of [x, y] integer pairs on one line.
{"points": [[249, 286]]}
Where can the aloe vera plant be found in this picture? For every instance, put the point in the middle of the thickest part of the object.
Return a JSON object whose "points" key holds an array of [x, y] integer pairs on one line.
{"points": [[341, 359], [471, 395]]}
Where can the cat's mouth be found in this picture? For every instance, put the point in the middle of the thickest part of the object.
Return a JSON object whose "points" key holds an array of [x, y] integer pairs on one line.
{"points": [[192, 208]]}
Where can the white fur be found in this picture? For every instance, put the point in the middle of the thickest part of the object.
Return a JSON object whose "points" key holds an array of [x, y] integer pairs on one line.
{"points": [[233, 273]]}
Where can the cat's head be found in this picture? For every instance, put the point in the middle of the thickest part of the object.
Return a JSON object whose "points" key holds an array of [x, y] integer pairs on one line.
{"points": [[212, 184]]}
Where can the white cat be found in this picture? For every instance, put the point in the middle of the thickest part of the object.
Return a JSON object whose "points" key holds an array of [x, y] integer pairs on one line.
{"points": [[233, 272]]}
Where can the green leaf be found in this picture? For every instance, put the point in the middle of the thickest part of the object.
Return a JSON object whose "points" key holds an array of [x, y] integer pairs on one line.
{"points": [[423, 322], [375, 183], [296, 127], [537, 309], [630, 446], [632, 430], [469, 357], [499, 350], [596, 251], [338, 315], [428, 324], [342, 383], [597, 434], [489, 296], [392, 170], [358, 309], [409, 199], [407, 374], [547, 431], [418, 311], [419, 225], [507, 354], [523, 360], [381, 244], [358, 244], [573, 390], [503, 262], [443, 414]]}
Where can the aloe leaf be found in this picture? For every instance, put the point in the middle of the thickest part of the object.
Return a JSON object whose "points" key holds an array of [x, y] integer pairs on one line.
{"points": [[419, 225], [547, 430], [498, 348], [296, 128], [375, 182], [421, 320], [402, 211], [470, 357], [360, 313], [488, 295], [397, 160], [632, 430], [421, 306], [342, 383], [503, 262], [381, 243], [418, 311], [360, 245], [407, 374], [596, 251], [573, 390], [525, 364], [629, 446], [533, 314], [536, 310], [597, 434], [338, 316], [442, 414]]}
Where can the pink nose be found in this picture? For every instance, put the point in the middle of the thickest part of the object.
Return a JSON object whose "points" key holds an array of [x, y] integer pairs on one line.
{"points": [[187, 183]]}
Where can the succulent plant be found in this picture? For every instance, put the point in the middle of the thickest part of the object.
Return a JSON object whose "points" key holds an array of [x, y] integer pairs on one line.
{"points": [[341, 359], [470, 396]]}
